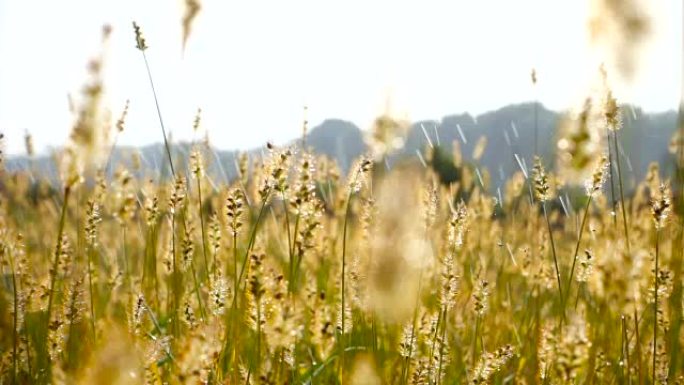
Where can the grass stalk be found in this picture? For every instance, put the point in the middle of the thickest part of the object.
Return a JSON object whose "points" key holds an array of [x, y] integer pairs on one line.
{"points": [[204, 235], [15, 319], [58, 251], [625, 347], [574, 254], [637, 342], [655, 304], [343, 274], [622, 192], [159, 114], [91, 291], [553, 251]]}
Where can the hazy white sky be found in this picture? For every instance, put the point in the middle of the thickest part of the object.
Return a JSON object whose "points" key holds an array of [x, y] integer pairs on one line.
{"points": [[252, 65]]}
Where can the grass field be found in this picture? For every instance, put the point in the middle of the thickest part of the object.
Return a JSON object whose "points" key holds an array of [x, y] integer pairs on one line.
{"points": [[297, 272]]}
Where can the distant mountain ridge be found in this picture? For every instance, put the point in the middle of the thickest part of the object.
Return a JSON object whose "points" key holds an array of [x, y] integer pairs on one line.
{"points": [[509, 130]]}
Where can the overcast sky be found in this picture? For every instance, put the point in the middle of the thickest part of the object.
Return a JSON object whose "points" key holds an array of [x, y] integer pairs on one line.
{"points": [[252, 65]]}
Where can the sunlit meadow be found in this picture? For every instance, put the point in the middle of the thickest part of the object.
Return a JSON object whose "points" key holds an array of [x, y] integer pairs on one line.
{"points": [[300, 271]]}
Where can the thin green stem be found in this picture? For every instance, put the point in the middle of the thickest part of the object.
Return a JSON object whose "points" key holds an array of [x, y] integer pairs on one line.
{"points": [[553, 251], [297, 256], [174, 277], [637, 343], [91, 291], [415, 318], [655, 305], [161, 121], [625, 348], [235, 264], [622, 192], [434, 337], [344, 264], [204, 236], [252, 239], [58, 251], [289, 239], [577, 245], [238, 280], [15, 320], [613, 200], [197, 291], [407, 364], [441, 347]]}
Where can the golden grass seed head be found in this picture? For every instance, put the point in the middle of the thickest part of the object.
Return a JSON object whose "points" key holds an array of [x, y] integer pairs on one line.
{"points": [[586, 266], [2, 147], [125, 200], [662, 368], [321, 327], [256, 289], [283, 325], [191, 10], [168, 255], [196, 163], [598, 177], [137, 314], [430, 202], [75, 305], [345, 313], [458, 226], [541, 181], [407, 345], [214, 233], [93, 219], [481, 297], [140, 42], [490, 363], [611, 112], [100, 187], [218, 294], [234, 211], [151, 210], [187, 248], [55, 337], [121, 122], [449, 283], [386, 136], [189, 317], [304, 191], [580, 144], [28, 144], [275, 169], [178, 195], [197, 120], [243, 166], [311, 223], [661, 205], [71, 168], [360, 174], [305, 124], [665, 286], [64, 257], [357, 280], [572, 350]]}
